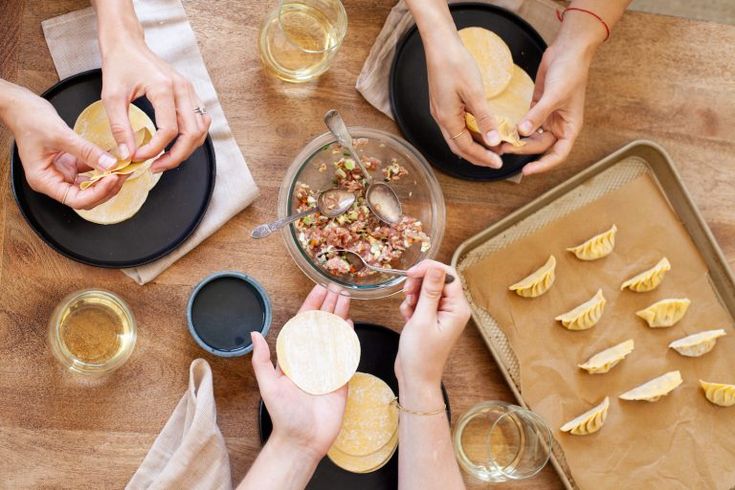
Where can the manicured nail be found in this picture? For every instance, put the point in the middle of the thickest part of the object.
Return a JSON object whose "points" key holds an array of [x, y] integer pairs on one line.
{"points": [[106, 161], [493, 138], [123, 152], [525, 127]]}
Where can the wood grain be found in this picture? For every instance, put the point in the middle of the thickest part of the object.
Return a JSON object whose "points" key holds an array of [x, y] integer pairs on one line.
{"points": [[660, 78]]}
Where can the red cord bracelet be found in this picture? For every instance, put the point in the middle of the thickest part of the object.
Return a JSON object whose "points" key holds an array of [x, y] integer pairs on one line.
{"points": [[560, 16]]}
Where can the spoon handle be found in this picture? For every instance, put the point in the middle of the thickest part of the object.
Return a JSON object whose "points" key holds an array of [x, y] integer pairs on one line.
{"points": [[338, 128], [266, 229], [448, 278]]}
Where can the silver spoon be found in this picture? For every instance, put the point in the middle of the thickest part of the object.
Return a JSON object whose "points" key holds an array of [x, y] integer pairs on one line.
{"points": [[381, 199], [330, 203], [359, 263]]}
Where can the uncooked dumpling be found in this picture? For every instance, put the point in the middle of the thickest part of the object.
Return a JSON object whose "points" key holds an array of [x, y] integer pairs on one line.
{"points": [[125, 204], [538, 282], [597, 247], [589, 422], [648, 280], [719, 393], [585, 315], [607, 359], [653, 390], [697, 344], [508, 107], [665, 313]]}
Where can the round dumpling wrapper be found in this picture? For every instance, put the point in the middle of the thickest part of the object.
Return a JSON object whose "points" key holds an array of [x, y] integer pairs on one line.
{"points": [[318, 351], [492, 55], [125, 204]]}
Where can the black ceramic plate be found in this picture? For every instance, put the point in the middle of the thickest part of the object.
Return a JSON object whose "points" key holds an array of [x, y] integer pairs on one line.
{"points": [[409, 89], [379, 346], [169, 216]]}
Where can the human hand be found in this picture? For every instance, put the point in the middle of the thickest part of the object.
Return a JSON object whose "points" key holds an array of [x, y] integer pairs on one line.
{"points": [[557, 107], [131, 70], [455, 88], [308, 422], [53, 155], [435, 314]]}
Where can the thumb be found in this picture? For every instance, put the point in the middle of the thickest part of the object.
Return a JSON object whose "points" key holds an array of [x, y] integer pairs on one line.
{"points": [[87, 152], [265, 373], [117, 113], [480, 109], [537, 115], [432, 288]]}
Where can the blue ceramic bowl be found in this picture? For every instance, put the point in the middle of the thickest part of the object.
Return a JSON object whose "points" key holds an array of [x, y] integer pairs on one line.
{"points": [[222, 311]]}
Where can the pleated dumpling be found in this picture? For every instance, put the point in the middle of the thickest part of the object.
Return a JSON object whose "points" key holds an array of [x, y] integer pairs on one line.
{"points": [[585, 315], [665, 313], [719, 393], [697, 344], [597, 247], [648, 280], [607, 359], [538, 282], [653, 390], [589, 422]]}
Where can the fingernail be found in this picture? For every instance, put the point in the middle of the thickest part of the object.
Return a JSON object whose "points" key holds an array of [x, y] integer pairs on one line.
{"points": [[525, 127], [493, 138], [495, 161], [123, 151], [106, 161]]}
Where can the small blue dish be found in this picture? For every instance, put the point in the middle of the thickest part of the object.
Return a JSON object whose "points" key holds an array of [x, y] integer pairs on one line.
{"points": [[223, 309]]}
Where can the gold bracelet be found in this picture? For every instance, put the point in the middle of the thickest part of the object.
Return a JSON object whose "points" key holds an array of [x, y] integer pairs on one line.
{"points": [[415, 412]]}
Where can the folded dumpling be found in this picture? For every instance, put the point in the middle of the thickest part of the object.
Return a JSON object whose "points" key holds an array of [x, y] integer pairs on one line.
{"points": [[697, 344], [665, 313], [648, 280], [589, 422], [585, 315], [607, 359], [538, 282], [653, 390], [597, 247], [719, 393]]}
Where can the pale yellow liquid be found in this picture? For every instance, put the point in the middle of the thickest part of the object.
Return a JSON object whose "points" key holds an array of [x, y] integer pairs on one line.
{"points": [[94, 331], [298, 42]]}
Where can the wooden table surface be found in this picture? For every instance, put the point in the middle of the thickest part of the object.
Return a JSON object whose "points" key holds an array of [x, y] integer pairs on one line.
{"points": [[661, 78]]}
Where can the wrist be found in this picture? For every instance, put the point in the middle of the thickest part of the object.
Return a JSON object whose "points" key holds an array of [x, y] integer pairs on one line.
{"points": [[10, 98], [435, 24], [117, 23], [420, 395], [580, 35], [298, 455]]}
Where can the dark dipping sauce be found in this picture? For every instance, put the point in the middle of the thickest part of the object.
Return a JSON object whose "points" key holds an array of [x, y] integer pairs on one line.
{"points": [[225, 311]]}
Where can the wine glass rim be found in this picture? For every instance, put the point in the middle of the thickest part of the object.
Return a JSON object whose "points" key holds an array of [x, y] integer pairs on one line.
{"points": [[543, 431], [341, 27]]}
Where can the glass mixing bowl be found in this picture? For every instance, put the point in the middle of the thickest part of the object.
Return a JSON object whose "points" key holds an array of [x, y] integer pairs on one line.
{"points": [[419, 193]]}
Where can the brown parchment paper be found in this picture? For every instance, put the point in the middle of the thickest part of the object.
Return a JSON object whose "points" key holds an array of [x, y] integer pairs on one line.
{"points": [[681, 441]]}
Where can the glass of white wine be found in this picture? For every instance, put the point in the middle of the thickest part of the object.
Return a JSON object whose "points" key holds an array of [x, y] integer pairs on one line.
{"points": [[495, 442], [92, 332], [299, 38]]}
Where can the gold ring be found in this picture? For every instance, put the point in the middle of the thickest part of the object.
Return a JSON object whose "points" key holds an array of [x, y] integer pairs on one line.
{"points": [[459, 134], [66, 194]]}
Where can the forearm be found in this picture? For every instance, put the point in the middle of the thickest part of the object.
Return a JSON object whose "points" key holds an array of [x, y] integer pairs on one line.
{"points": [[425, 456], [116, 22], [11, 97], [280, 466], [434, 22]]}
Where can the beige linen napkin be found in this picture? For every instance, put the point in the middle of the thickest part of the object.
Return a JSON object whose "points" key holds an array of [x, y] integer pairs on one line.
{"points": [[190, 451], [373, 80], [72, 40]]}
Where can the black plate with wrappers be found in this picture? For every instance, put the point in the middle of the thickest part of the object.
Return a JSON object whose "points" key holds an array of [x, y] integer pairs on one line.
{"points": [[379, 346], [173, 210], [409, 87]]}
